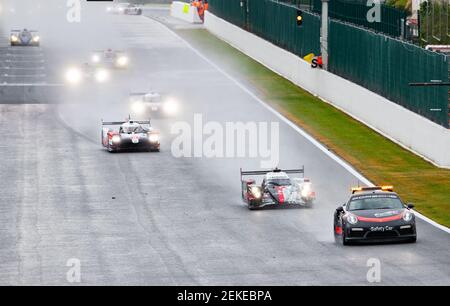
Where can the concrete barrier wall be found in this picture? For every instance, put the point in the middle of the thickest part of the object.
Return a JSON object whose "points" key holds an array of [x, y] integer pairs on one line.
{"points": [[185, 11], [423, 137]]}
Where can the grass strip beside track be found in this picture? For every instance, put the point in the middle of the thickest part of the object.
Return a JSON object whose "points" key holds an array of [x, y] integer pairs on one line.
{"points": [[376, 157]]}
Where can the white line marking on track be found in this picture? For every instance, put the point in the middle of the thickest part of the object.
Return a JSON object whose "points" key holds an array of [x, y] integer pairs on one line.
{"points": [[333, 156]]}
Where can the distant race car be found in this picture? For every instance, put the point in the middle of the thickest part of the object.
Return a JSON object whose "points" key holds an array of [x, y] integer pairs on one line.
{"points": [[110, 58], [125, 9], [152, 103], [374, 214], [277, 189], [24, 38], [87, 72], [131, 135]]}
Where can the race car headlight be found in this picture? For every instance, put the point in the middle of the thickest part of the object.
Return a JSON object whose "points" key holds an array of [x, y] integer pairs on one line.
{"points": [[14, 38], [256, 192], [95, 58], [170, 107], [407, 216], [116, 139], [122, 61], [73, 76], [306, 190], [352, 219], [102, 76], [36, 38], [153, 137]]}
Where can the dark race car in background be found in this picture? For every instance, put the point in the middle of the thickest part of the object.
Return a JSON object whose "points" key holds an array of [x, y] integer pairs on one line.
{"points": [[110, 59], [131, 135], [277, 189], [374, 214], [153, 104], [25, 38], [87, 73], [125, 9]]}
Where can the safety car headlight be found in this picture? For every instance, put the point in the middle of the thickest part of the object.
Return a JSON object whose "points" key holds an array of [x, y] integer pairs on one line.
{"points": [[73, 76], [153, 137], [256, 192], [36, 38], [352, 219], [14, 38], [407, 216], [170, 107], [122, 61], [116, 139], [102, 75]]}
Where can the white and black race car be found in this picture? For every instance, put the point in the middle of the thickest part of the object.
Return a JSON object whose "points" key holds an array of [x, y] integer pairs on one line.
{"points": [[25, 38], [110, 59], [153, 104], [277, 189], [131, 135], [124, 9]]}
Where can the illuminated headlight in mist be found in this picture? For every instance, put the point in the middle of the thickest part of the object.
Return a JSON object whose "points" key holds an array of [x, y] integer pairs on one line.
{"points": [[116, 139], [153, 138], [170, 107], [306, 190], [138, 107], [36, 38], [256, 192], [102, 76], [73, 76], [14, 38], [109, 9], [95, 58], [122, 61]]}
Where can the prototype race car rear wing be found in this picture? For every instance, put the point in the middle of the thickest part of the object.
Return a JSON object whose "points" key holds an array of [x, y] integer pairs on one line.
{"points": [[18, 31], [259, 172], [128, 121]]}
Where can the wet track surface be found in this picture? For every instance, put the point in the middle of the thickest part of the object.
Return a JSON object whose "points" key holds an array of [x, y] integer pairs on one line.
{"points": [[151, 218]]}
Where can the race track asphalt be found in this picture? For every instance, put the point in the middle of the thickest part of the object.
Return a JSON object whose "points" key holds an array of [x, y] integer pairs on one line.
{"points": [[152, 218]]}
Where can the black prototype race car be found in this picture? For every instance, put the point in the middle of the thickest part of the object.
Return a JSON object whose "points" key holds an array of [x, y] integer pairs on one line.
{"points": [[277, 189], [132, 135], [374, 214], [27, 38]]}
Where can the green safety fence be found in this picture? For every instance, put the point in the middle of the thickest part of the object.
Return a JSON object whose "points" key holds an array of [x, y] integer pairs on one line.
{"points": [[392, 21], [276, 23], [386, 66], [273, 21], [233, 11], [377, 62]]}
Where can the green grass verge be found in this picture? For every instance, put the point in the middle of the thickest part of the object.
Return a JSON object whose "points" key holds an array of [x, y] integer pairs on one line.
{"points": [[377, 158]]}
